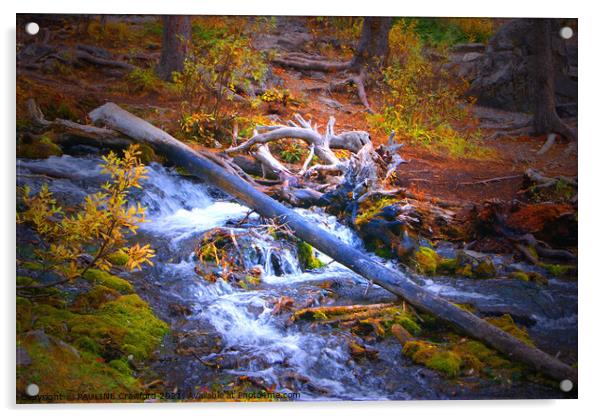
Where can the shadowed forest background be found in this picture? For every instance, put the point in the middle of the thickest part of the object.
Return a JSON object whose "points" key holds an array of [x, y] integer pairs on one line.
{"points": [[442, 148]]}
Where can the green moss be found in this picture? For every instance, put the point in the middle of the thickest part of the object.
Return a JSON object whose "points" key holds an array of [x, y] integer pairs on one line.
{"points": [[370, 209], [485, 269], [307, 258], [506, 323], [106, 279], [427, 260], [433, 357], [95, 298], [24, 317], [32, 265], [465, 270], [519, 275], [408, 323], [383, 252], [38, 149], [558, 270], [447, 265], [59, 370], [127, 322], [64, 111], [529, 277], [88, 344], [118, 258], [121, 365], [446, 362]]}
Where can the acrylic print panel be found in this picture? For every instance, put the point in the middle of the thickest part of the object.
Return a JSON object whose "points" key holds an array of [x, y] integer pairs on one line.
{"points": [[231, 208]]}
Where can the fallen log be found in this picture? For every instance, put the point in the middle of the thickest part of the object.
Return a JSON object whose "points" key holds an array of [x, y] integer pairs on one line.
{"points": [[394, 281]]}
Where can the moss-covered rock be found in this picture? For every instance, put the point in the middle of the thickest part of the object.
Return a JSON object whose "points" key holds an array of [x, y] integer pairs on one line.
{"points": [[465, 270], [559, 270], [435, 358], [118, 258], [95, 298], [427, 260], [59, 369], [307, 257], [106, 279], [38, 148], [485, 269], [529, 277]]}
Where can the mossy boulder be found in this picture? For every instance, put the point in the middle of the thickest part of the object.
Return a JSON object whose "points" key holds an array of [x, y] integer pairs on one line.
{"points": [[118, 258], [95, 298], [427, 260], [307, 257], [58, 368], [103, 278], [40, 148], [433, 357], [485, 269], [127, 322]]}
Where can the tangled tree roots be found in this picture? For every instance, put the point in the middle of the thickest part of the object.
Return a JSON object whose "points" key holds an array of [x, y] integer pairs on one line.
{"points": [[366, 171]]}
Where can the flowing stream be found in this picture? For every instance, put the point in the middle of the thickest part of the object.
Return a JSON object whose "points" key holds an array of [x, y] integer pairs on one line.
{"points": [[228, 331]]}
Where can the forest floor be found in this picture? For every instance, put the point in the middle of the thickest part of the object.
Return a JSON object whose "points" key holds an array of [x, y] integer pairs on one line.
{"points": [[434, 174]]}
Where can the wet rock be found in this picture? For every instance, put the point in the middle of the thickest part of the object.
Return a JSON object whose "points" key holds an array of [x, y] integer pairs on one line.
{"points": [[179, 310]]}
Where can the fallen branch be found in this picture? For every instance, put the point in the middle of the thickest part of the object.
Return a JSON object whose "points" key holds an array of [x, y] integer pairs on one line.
{"points": [[397, 283]]}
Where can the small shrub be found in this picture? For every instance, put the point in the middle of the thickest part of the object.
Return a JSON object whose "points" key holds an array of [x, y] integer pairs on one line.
{"points": [[422, 103], [101, 223]]}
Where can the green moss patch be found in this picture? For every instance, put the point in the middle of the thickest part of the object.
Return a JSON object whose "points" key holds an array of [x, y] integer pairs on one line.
{"points": [[106, 279], [307, 257]]}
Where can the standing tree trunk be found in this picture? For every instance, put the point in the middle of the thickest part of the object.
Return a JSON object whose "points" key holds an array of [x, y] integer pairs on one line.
{"points": [[545, 118], [176, 35], [373, 46]]}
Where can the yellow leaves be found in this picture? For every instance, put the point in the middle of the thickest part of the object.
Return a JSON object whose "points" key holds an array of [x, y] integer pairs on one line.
{"points": [[138, 255], [98, 227]]}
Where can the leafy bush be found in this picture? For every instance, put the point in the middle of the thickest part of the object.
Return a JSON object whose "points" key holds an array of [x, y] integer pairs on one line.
{"points": [[143, 80], [444, 32], [222, 64], [421, 102], [100, 224]]}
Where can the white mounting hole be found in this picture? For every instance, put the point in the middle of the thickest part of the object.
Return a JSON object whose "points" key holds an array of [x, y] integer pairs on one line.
{"points": [[566, 385], [32, 389], [566, 32], [32, 28]]}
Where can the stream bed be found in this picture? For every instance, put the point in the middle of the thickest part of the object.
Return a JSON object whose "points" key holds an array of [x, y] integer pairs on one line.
{"points": [[220, 332]]}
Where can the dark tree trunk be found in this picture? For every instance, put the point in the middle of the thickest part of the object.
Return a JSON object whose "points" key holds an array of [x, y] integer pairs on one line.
{"points": [[545, 118], [373, 46], [176, 35]]}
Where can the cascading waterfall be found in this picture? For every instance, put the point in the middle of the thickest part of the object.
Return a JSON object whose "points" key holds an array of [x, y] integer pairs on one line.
{"points": [[180, 210]]}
